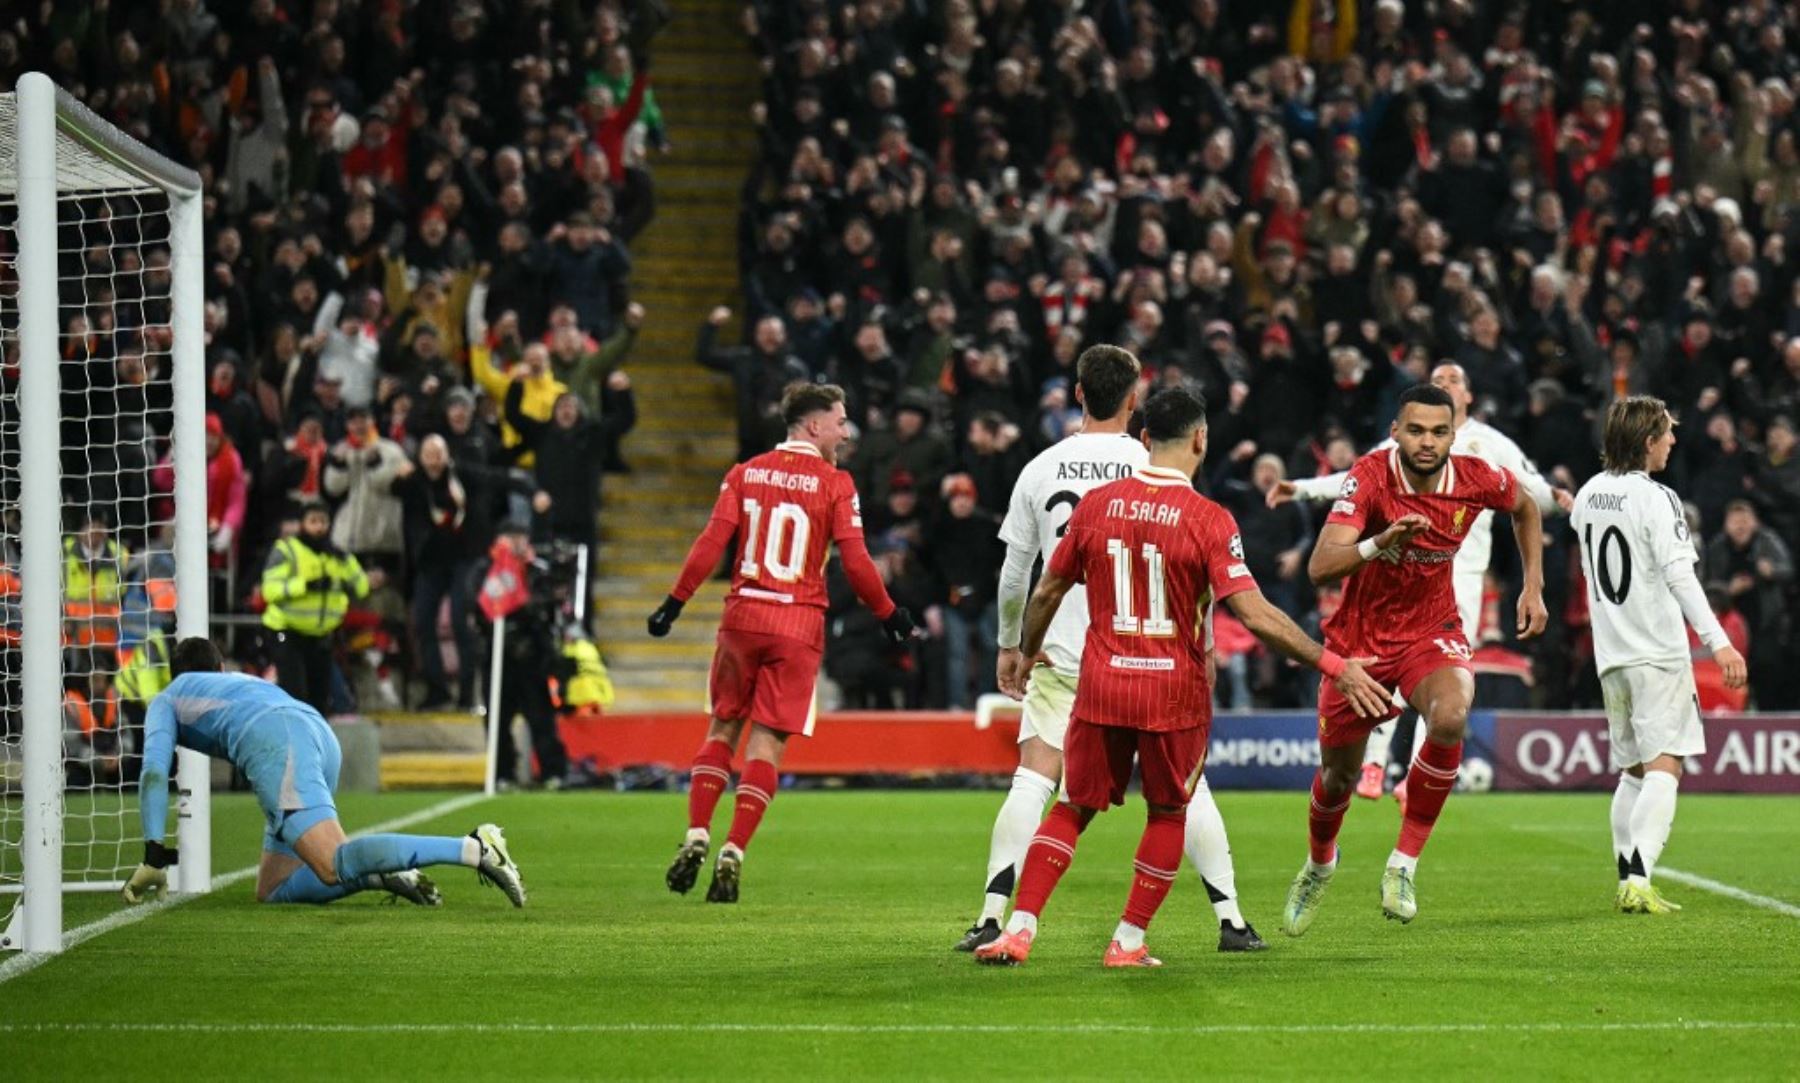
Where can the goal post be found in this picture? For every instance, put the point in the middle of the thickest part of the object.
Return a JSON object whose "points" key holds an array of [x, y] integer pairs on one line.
{"points": [[98, 318]]}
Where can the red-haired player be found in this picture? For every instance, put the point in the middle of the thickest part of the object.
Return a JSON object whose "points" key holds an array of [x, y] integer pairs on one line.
{"points": [[1416, 503], [1168, 554], [786, 508]]}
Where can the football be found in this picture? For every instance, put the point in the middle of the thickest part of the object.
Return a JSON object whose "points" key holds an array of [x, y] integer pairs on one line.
{"points": [[1476, 776]]}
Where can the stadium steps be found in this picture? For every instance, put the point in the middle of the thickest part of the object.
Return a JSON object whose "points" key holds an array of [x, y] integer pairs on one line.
{"points": [[408, 731], [685, 263], [436, 751], [433, 770]]}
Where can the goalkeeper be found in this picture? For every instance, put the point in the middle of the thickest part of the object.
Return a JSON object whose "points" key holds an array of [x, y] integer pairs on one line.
{"points": [[291, 758]]}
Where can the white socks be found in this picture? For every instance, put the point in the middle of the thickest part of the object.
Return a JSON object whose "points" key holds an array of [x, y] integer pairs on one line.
{"points": [[1021, 922], [1376, 751], [1409, 862], [1014, 828], [1207, 847], [1129, 936], [1652, 817], [471, 851], [1623, 802], [699, 834]]}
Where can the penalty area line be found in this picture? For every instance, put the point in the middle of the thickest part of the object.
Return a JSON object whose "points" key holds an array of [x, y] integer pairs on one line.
{"points": [[26, 961], [1738, 893], [853, 1029]]}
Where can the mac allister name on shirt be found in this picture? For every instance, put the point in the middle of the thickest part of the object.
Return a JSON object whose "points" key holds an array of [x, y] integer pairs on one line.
{"points": [[781, 479], [1143, 511]]}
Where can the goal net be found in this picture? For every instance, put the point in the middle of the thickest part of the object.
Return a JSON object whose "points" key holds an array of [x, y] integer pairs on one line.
{"points": [[103, 556]]}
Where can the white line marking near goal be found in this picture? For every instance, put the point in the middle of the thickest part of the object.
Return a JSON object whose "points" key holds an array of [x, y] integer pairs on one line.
{"points": [[854, 1029], [26, 961], [1728, 891]]}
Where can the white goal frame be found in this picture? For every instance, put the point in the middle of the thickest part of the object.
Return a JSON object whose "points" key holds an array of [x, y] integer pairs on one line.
{"points": [[63, 149]]}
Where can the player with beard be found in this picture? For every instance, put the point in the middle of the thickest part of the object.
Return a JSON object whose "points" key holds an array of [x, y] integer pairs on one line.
{"points": [[1394, 531], [1468, 571]]}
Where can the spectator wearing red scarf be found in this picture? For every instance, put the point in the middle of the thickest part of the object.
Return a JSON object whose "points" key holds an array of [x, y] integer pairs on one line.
{"points": [[302, 469]]}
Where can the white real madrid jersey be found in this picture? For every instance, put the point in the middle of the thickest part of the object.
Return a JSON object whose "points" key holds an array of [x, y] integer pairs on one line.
{"points": [[1042, 501], [1630, 529]]}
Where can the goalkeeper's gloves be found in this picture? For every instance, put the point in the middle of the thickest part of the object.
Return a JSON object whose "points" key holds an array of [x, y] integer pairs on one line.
{"points": [[150, 877], [664, 618], [898, 626]]}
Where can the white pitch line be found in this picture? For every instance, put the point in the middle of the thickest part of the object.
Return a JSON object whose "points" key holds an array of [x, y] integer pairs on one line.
{"points": [[853, 1029], [1728, 891], [26, 961]]}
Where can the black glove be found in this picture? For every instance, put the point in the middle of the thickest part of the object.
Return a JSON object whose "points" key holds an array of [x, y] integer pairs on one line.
{"points": [[899, 626], [664, 618], [320, 585], [158, 856]]}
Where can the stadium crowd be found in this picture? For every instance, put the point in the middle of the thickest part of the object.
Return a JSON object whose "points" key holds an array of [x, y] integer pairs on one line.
{"points": [[1301, 209], [418, 219], [417, 229]]}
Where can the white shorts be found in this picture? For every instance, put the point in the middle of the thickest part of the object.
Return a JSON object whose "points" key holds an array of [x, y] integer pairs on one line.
{"points": [[1049, 701], [1651, 711]]}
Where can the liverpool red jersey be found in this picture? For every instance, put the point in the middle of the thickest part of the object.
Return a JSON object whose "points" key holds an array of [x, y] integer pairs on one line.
{"points": [[1155, 555], [786, 508], [1391, 604]]}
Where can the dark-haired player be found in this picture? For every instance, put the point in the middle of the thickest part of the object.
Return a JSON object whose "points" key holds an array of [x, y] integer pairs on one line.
{"points": [[1468, 572], [1395, 529], [786, 507], [291, 758], [1156, 555], [1043, 501]]}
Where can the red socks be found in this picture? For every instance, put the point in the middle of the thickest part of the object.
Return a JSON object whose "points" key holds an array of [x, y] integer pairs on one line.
{"points": [[707, 780], [1324, 821], [1158, 860], [1049, 856], [755, 789], [1428, 784]]}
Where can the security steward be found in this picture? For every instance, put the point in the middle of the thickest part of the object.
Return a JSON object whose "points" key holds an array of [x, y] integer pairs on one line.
{"points": [[307, 587], [141, 676]]}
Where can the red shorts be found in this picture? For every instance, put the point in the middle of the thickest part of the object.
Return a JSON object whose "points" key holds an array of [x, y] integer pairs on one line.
{"points": [[766, 678], [1339, 724], [1097, 763]]}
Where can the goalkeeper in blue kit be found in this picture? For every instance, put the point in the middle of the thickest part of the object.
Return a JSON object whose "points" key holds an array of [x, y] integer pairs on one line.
{"points": [[291, 758]]}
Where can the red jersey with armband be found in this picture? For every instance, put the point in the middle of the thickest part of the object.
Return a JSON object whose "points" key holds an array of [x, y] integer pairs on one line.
{"points": [[786, 507], [1155, 556], [1391, 604]]}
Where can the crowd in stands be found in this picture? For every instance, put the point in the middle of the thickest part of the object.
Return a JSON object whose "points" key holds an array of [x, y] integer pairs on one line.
{"points": [[417, 264], [1299, 209], [418, 220]]}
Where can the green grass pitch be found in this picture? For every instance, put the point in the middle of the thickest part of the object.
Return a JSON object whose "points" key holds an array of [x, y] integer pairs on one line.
{"points": [[837, 962]]}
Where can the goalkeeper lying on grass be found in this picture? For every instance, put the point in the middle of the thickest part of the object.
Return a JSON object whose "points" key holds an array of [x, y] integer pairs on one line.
{"points": [[291, 758]]}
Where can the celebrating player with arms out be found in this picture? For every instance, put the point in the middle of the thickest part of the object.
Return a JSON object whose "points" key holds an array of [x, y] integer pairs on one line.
{"points": [[1043, 501], [290, 757], [786, 507], [1639, 562], [1394, 530], [1167, 553]]}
